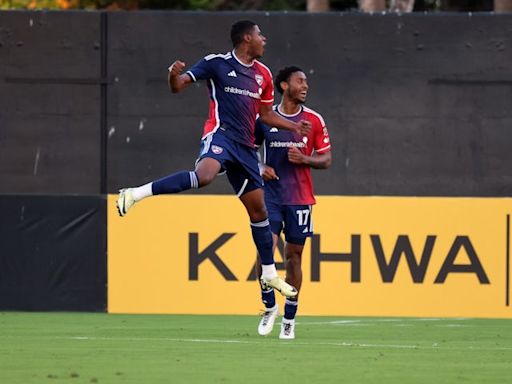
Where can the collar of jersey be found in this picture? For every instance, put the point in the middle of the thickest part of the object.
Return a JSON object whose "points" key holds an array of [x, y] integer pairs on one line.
{"points": [[285, 115], [236, 58]]}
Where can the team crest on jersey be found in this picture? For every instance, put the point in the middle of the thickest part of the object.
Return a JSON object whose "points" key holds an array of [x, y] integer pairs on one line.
{"points": [[217, 150], [259, 79]]}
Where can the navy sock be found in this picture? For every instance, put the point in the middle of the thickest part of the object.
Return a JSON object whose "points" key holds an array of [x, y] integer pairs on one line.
{"points": [[290, 308], [268, 297], [262, 237], [177, 182]]}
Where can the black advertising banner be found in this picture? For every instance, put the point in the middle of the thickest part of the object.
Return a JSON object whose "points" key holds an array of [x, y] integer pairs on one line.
{"points": [[53, 253]]}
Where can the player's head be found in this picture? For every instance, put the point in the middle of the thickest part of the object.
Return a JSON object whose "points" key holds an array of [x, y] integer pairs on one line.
{"points": [[248, 34], [292, 83]]}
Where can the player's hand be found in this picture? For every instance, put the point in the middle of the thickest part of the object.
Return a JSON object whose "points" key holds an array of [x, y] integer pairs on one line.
{"points": [[303, 127], [176, 68], [269, 173], [295, 156]]}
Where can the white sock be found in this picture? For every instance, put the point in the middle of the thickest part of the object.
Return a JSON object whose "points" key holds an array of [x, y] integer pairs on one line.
{"points": [[268, 272], [142, 192]]}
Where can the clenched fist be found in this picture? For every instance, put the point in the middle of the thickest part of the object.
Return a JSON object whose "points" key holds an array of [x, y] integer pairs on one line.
{"points": [[176, 67]]}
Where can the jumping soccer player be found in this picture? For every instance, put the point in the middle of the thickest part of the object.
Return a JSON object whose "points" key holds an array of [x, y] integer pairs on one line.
{"points": [[240, 87], [287, 161]]}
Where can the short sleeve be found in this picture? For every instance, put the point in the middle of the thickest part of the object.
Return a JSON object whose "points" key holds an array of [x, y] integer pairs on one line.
{"points": [[322, 141], [267, 94], [201, 70]]}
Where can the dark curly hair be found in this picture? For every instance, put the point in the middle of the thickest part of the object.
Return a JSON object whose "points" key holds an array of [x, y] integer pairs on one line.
{"points": [[284, 75]]}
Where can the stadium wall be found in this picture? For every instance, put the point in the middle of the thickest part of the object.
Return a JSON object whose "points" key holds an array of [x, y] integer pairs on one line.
{"points": [[417, 106]]}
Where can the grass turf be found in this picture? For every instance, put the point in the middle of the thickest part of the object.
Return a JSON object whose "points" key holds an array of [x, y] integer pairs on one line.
{"points": [[144, 349]]}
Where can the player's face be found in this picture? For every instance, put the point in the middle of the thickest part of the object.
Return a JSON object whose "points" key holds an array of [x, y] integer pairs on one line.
{"points": [[257, 43], [297, 87]]}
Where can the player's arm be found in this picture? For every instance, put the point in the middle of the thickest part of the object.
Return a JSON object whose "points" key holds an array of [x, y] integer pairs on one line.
{"points": [[178, 81], [317, 160], [272, 119], [266, 171]]}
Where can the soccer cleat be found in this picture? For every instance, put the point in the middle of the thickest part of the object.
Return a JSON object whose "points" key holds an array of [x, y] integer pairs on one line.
{"points": [[287, 330], [125, 201], [267, 320], [280, 285]]}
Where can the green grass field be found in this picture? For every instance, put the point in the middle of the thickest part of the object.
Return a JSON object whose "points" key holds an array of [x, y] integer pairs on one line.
{"points": [[102, 348]]}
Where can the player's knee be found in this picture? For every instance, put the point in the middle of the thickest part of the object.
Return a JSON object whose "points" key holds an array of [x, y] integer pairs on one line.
{"points": [[257, 214], [261, 213], [206, 170], [205, 178]]}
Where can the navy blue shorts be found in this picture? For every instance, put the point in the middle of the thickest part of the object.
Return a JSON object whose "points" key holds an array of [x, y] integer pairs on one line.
{"points": [[294, 220], [239, 161]]}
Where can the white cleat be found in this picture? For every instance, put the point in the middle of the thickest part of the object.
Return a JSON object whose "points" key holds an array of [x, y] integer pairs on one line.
{"points": [[125, 201], [267, 320], [287, 329], [281, 286]]}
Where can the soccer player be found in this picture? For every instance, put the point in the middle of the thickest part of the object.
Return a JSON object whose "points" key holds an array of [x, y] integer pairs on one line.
{"points": [[240, 87], [287, 161]]}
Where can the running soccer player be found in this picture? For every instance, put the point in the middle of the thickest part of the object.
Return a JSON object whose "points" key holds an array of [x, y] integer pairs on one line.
{"points": [[287, 161], [240, 87]]}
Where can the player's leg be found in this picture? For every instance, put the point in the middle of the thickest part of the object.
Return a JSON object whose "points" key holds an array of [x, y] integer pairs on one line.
{"points": [[298, 226], [207, 167], [244, 176], [260, 227], [268, 298], [267, 293], [293, 263], [206, 170]]}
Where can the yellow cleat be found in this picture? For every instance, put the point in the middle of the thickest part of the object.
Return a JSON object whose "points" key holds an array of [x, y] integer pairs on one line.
{"points": [[125, 201], [281, 286]]}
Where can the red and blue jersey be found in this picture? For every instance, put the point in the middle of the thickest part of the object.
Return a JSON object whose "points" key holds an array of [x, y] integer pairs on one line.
{"points": [[295, 186], [236, 92]]}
